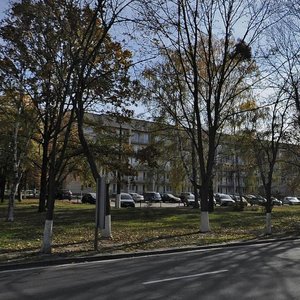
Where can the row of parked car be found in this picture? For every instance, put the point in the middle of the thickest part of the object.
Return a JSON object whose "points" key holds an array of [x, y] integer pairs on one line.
{"points": [[126, 199], [61, 194], [188, 199], [224, 199], [129, 199]]}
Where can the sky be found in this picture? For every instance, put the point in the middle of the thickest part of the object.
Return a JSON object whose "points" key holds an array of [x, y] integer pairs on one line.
{"points": [[3, 6]]}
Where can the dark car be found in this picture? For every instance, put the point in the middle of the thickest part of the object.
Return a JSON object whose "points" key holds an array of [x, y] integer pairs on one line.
{"points": [[126, 200], [224, 199], [152, 196], [64, 194], [170, 198], [256, 200], [239, 200], [89, 198]]}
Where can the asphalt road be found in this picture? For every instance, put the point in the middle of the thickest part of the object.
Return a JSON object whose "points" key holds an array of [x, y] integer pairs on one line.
{"points": [[262, 271]]}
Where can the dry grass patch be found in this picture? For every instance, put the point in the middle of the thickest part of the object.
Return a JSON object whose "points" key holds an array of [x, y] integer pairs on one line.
{"points": [[135, 229]]}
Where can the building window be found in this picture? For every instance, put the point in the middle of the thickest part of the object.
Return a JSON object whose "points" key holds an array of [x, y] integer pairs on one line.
{"points": [[144, 138], [135, 137]]}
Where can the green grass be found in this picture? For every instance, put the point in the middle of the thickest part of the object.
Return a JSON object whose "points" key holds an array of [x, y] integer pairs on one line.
{"points": [[135, 229]]}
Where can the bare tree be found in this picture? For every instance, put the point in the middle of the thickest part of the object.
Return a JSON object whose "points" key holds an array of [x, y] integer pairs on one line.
{"points": [[282, 55], [269, 134], [211, 67]]}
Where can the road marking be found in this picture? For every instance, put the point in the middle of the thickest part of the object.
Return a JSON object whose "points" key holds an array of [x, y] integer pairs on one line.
{"points": [[183, 277]]}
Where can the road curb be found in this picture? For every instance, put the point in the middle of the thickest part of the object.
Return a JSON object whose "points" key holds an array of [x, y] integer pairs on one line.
{"points": [[101, 257]]}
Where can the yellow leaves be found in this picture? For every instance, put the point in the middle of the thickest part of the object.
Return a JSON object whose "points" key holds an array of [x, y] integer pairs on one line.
{"points": [[248, 105]]}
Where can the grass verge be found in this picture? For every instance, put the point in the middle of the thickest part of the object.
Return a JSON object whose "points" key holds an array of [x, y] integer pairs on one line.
{"points": [[134, 229]]}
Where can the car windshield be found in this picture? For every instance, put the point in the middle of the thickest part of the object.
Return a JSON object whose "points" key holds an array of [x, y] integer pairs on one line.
{"points": [[225, 197], [124, 196]]}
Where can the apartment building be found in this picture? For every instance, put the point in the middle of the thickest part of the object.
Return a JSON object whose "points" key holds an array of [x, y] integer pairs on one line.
{"points": [[235, 172], [128, 138]]}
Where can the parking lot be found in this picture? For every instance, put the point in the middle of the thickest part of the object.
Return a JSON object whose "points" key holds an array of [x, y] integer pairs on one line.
{"points": [[153, 204], [138, 204]]}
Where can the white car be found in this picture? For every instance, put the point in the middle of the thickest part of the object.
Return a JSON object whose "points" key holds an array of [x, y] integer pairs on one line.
{"points": [[187, 198], [291, 200], [137, 197]]}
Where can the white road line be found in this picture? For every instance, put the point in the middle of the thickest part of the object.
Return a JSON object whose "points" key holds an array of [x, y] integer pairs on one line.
{"points": [[183, 277]]}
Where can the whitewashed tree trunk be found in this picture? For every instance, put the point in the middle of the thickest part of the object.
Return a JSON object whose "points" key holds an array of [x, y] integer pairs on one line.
{"points": [[204, 223], [47, 238], [106, 233], [268, 223]]}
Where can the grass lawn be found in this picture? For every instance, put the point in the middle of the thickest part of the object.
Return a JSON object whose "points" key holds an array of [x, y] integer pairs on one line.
{"points": [[135, 229]]}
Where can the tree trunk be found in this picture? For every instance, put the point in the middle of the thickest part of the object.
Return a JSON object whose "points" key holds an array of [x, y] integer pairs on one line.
{"points": [[47, 237], [93, 166], [52, 187], [17, 176], [118, 200], [194, 176], [211, 204], [268, 223], [48, 228], [11, 206], [268, 188], [106, 233], [43, 179], [204, 224], [2, 187], [12, 198]]}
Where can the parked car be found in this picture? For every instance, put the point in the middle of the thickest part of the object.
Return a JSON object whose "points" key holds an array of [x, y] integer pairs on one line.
{"points": [[224, 199], [126, 200], [187, 198], [64, 194], [238, 199], [291, 200], [137, 197], [256, 200], [89, 198], [170, 198], [29, 193], [275, 201], [152, 196]]}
